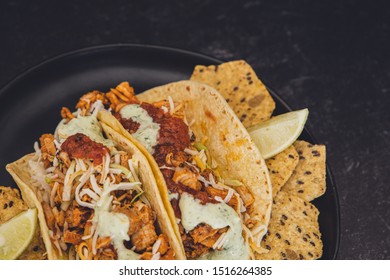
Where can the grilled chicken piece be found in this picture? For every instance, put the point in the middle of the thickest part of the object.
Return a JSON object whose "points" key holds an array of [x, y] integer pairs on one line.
{"points": [[187, 177], [233, 202], [176, 158], [48, 148], [120, 96], [145, 237], [75, 216], [245, 195], [65, 158], [206, 235], [66, 114], [72, 237], [88, 99], [139, 215]]}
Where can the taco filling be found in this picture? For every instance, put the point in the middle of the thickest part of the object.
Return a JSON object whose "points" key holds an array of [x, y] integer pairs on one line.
{"points": [[92, 196], [210, 214]]}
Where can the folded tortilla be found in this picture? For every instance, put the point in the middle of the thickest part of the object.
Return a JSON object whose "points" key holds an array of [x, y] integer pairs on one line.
{"points": [[228, 143], [29, 174]]}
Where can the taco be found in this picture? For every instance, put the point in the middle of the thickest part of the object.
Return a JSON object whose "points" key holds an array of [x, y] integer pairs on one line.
{"points": [[212, 179], [97, 197]]}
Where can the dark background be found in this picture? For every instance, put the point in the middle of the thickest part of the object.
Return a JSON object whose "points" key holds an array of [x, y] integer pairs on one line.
{"points": [[329, 56]]}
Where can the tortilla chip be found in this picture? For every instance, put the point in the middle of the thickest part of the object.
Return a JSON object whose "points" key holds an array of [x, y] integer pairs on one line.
{"points": [[11, 205], [293, 232], [242, 89], [308, 178], [281, 167]]}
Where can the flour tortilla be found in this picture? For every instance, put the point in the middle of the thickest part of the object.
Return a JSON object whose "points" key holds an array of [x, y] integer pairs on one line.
{"points": [[21, 172], [227, 140]]}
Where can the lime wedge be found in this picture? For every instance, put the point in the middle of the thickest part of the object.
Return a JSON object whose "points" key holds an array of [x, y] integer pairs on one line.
{"points": [[16, 234], [278, 133]]}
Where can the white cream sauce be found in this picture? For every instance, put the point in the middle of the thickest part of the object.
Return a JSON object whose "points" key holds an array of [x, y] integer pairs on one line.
{"points": [[114, 225], [148, 131], [87, 125], [217, 216]]}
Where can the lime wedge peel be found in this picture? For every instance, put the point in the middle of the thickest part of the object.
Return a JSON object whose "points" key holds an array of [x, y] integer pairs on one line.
{"points": [[17, 233], [278, 133]]}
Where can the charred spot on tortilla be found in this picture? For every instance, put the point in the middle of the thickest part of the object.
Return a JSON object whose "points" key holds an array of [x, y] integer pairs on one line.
{"points": [[241, 88], [210, 115], [308, 180]]}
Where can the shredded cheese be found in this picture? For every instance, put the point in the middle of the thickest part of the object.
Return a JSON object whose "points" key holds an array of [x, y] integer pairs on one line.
{"points": [[55, 162], [171, 105], [117, 159], [167, 167], [106, 168], [203, 180], [217, 243], [156, 256], [67, 187], [90, 193], [36, 148], [191, 152], [229, 195], [94, 184], [57, 144], [53, 193], [156, 246]]}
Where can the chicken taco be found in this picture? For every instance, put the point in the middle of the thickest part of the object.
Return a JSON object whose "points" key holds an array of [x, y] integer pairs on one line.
{"points": [[211, 176], [96, 196]]}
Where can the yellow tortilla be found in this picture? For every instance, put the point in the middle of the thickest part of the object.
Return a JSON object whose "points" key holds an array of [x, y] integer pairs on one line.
{"points": [[21, 172], [227, 140]]}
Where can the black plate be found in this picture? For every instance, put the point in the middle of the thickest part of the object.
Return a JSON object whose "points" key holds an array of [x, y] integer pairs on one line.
{"points": [[31, 103]]}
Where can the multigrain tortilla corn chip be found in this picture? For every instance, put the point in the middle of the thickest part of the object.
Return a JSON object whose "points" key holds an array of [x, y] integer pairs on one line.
{"points": [[11, 205], [308, 178], [242, 89], [281, 167], [293, 232]]}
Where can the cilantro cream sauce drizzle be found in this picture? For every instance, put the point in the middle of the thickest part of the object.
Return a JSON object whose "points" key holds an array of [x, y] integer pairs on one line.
{"points": [[87, 125], [114, 225], [217, 216], [148, 131]]}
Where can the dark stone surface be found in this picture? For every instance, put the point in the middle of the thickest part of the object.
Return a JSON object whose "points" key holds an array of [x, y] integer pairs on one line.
{"points": [[329, 56]]}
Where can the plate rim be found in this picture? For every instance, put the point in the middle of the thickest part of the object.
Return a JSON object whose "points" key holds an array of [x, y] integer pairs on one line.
{"points": [[106, 47]]}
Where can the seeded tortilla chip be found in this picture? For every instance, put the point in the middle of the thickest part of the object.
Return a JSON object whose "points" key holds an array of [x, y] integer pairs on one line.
{"points": [[281, 167], [242, 89], [308, 178], [11, 204], [293, 231]]}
